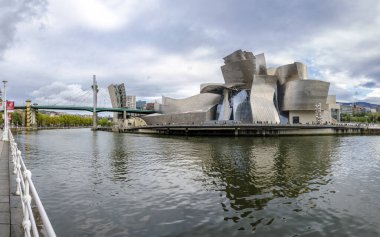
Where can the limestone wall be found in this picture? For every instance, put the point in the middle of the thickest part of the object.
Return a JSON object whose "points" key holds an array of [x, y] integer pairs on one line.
{"points": [[307, 116], [180, 118], [198, 103]]}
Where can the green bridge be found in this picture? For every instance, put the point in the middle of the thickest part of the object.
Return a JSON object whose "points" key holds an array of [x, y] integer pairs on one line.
{"points": [[87, 108]]}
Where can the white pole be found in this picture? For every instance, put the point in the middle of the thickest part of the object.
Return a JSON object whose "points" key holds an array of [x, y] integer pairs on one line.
{"points": [[95, 100], [5, 132]]}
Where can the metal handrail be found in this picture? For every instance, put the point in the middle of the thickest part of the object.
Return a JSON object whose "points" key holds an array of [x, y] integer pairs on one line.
{"points": [[26, 190]]}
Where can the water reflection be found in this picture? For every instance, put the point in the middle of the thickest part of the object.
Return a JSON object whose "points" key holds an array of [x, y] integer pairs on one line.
{"points": [[119, 158], [95, 164], [252, 172]]}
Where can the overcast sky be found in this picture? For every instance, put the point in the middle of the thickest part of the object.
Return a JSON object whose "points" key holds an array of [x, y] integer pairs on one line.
{"points": [[49, 49]]}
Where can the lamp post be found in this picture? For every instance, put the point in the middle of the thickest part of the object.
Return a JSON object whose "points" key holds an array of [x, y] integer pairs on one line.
{"points": [[5, 131]]}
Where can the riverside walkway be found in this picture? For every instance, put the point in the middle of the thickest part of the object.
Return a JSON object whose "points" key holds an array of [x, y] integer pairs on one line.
{"points": [[21, 210], [10, 209], [233, 128]]}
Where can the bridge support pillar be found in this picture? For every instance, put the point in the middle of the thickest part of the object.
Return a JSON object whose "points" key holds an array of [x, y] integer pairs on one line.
{"points": [[95, 101]]}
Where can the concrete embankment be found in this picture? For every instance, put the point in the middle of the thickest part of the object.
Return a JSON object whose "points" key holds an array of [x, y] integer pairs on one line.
{"points": [[254, 130], [107, 129], [45, 128], [373, 131]]}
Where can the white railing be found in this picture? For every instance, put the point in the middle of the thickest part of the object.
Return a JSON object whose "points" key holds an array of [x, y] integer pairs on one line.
{"points": [[25, 188]]}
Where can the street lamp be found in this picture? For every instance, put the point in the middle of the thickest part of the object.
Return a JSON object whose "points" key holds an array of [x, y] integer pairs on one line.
{"points": [[5, 131]]}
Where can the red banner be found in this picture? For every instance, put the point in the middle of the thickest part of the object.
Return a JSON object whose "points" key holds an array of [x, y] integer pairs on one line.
{"points": [[10, 105]]}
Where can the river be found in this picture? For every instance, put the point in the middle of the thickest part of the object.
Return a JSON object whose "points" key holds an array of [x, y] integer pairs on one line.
{"points": [[111, 184]]}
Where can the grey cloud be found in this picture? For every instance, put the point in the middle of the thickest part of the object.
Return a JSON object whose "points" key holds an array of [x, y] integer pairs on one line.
{"points": [[371, 68], [368, 84], [374, 100], [176, 28], [12, 13], [375, 75], [65, 94], [363, 65], [261, 24]]}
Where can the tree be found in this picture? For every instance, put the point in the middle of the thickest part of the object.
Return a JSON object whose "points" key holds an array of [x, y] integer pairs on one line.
{"points": [[16, 118], [45, 120], [104, 122], [1, 118]]}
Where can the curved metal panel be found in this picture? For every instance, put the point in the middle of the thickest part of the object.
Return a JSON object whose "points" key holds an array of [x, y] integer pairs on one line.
{"points": [[197, 103], [261, 65], [263, 93], [224, 109], [291, 72], [218, 88], [241, 107], [241, 71], [304, 94], [180, 118], [239, 67], [244, 112]]}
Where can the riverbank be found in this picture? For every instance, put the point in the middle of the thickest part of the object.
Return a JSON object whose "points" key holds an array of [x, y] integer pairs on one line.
{"points": [[46, 128], [253, 129]]}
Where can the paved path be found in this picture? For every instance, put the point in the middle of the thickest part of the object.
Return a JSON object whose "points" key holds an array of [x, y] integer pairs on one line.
{"points": [[5, 215], [10, 204]]}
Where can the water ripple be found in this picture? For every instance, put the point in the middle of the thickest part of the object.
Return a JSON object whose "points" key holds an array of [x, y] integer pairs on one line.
{"points": [[107, 184]]}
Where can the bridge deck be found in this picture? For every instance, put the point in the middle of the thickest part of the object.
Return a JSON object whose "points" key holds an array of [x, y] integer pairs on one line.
{"points": [[86, 108]]}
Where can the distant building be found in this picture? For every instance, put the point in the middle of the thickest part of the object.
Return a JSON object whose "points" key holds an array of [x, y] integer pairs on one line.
{"points": [[120, 99], [118, 95], [333, 109], [131, 102], [53, 114], [140, 104], [356, 109], [346, 109], [149, 106]]}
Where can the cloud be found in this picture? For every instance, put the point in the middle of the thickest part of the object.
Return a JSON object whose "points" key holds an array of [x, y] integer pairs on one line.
{"points": [[169, 48], [14, 12], [344, 52], [369, 84], [95, 14], [59, 93], [374, 96]]}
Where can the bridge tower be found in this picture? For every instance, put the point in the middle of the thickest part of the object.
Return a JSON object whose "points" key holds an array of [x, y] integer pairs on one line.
{"points": [[28, 114], [95, 102], [31, 116]]}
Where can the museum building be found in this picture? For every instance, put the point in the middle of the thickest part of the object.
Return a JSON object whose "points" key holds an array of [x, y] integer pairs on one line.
{"points": [[253, 93]]}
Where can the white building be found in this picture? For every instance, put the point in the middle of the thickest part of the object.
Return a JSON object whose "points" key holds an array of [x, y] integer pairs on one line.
{"points": [[131, 102]]}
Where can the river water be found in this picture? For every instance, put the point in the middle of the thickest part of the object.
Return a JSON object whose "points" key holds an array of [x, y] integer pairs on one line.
{"points": [[110, 184]]}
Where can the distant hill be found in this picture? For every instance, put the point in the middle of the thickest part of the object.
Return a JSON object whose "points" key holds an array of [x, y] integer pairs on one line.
{"points": [[363, 104]]}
